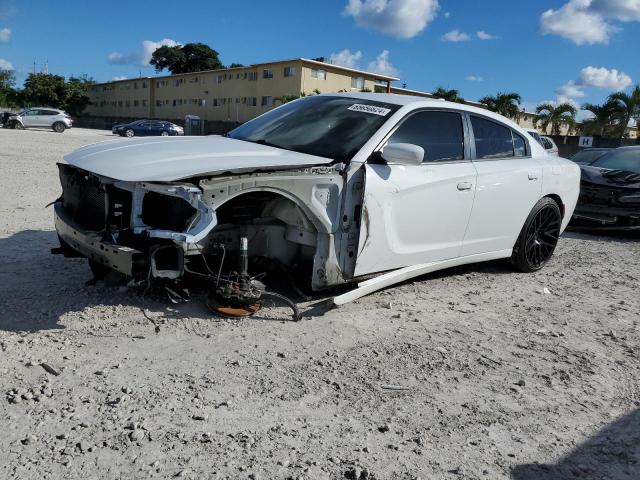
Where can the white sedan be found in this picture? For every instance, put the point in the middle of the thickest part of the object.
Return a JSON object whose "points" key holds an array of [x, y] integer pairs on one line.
{"points": [[334, 188]]}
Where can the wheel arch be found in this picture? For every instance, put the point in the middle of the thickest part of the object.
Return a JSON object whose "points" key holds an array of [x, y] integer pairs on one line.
{"points": [[556, 198]]}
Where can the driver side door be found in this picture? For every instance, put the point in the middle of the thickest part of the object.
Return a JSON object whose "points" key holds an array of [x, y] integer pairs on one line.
{"points": [[416, 214]]}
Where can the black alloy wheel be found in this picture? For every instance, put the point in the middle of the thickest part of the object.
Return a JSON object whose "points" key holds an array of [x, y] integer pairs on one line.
{"points": [[539, 236]]}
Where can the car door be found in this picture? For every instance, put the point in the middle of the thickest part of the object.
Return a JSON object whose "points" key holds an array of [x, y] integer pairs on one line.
{"points": [[418, 214], [509, 184], [31, 118]]}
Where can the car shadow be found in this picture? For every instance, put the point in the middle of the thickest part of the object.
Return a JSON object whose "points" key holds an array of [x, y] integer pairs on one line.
{"points": [[612, 453], [38, 288]]}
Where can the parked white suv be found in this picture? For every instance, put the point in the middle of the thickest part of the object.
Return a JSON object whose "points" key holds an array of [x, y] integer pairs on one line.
{"points": [[53, 118]]}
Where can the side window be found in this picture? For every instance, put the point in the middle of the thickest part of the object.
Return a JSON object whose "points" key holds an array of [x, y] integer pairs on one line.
{"points": [[546, 143], [48, 112], [439, 133], [519, 145], [492, 139]]}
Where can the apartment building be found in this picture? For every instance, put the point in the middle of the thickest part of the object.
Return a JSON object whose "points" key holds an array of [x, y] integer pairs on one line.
{"points": [[228, 95]]}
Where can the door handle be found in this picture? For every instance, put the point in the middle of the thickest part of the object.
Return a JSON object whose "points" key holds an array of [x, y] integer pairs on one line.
{"points": [[465, 186], [533, 176]]}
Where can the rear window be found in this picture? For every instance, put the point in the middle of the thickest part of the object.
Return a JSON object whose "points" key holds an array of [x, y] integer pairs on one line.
{"points": [[492, 139]]}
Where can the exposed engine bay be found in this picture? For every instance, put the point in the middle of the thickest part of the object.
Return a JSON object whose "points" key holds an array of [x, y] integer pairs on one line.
{"points": [[227, 230]]}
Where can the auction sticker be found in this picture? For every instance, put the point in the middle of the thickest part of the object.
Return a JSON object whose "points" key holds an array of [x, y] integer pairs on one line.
{"points": [[358, 107]]}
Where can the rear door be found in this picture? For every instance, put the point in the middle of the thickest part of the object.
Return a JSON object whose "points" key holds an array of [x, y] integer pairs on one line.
{"points": [[418, 214], [509, 184]]}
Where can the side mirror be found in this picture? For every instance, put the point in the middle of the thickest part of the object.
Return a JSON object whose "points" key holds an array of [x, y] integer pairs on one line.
{"points": [[402, 154]]}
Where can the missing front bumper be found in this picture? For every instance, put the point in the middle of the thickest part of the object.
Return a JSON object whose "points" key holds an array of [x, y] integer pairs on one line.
{"points": [[91, 245]]}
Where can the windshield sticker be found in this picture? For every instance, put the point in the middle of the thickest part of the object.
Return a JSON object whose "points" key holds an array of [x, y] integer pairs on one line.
{"points": [[358, 107]]}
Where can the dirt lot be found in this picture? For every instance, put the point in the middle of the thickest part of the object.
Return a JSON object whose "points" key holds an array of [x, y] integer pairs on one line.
{"points": [[472, 373]]}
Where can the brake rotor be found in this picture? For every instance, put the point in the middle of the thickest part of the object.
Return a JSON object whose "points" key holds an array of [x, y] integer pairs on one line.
{"points": [[232, 311]]}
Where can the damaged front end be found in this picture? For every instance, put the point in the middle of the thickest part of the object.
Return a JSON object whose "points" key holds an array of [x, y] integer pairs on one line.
{"points": [[216, 228]]}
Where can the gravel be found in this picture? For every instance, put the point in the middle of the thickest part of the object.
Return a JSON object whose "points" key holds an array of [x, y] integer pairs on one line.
{"points": [[494, 376]]}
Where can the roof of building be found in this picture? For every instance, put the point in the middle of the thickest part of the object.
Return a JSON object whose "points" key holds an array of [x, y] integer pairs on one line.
{"points": [[377, 76]]}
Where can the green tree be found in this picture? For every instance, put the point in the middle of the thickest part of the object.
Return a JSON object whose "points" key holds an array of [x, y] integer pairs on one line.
{"points": [[236, 65], [9, 96], [556, 116], [506, 104], [75, 96], [450, 95], [44, 89], [629, 108], [191, 57], [604, 120]]}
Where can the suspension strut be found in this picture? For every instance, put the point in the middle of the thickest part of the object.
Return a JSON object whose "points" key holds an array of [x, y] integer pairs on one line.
{"points": [[237, 294]]}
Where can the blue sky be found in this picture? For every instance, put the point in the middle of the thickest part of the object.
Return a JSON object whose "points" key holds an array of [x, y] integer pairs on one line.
{"points": [[577, 50]]}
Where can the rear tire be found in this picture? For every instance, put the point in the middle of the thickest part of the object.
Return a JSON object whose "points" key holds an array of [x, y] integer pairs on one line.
{"points": [[539, 236], [59, 127], [129, 132], [164, 133]]}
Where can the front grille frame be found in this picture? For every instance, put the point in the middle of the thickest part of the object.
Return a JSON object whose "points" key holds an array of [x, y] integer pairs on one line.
{"points": [[84, 198]]}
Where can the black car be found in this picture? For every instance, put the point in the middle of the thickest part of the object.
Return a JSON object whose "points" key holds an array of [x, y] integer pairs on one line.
{"points": [[610, 191], [587, 156], [145, 128]]}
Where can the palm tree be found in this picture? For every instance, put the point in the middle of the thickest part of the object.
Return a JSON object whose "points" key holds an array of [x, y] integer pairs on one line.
{"points": [[605, 118], [451, 95], [506, 104], [556, 116], [629, 105]]}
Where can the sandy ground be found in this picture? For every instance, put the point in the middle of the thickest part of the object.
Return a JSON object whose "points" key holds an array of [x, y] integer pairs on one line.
{"points": [[471, 373]]}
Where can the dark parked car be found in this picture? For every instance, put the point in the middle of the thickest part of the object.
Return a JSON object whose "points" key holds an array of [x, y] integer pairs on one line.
{"points": [[588, 155], [4, 119], [610, 191], [145, 128]]}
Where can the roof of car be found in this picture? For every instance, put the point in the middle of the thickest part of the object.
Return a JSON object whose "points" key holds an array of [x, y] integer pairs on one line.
{"points": [[404, 100]]}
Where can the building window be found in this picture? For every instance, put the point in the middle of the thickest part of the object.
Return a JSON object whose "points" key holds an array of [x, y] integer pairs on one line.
{"points": [[127, 103], [289, 71], [319, 74], [120, 103], [267, 73], [135, 103], [252, 101], [144, 103], [357, 83], [267, 101], [158, 103], [245, 75], [144, 84], [216, 102], [174, 103], [219, 78], [253, 75]]}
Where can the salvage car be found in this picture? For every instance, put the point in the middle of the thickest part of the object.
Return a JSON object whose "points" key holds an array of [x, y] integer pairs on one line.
{"points": [[147, 128], [43, 117], [610, 191], [336, 188]]}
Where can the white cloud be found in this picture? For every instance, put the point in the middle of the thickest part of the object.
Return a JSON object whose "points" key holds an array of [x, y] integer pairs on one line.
{"points": [[382, 65], [397, 18], [141, 57], [604, 78], [346, 58], [475, 78], [447, 14], [587, 22], [482, 35], [5, 34], [118, 77], [455, 36], [570, 89], [5, 64]]}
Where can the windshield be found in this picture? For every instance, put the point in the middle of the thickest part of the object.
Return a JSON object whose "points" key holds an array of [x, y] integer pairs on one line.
{"points": [[587, 157], [627, 160], [330, 127]]}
